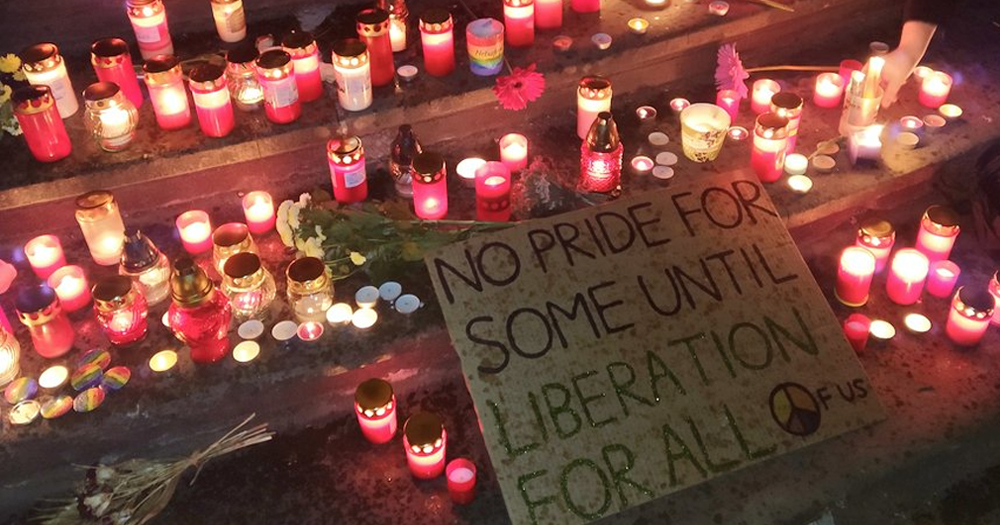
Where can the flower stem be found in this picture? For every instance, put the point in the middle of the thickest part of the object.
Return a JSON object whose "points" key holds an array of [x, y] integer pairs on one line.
{"points": [[791, 68]]}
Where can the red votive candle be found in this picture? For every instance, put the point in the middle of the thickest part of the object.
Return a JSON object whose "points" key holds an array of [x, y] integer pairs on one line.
{"points": [[514, 151], [43, 129], [121, 310], [942, 278], [493, 192], [829, 90], [763, 90], [437, 39], [877, 236], [71, 286], [425, 441], [856, 329], [770, 140], [938, 230], [519, 22], [113, 63], [211, 100], [45, 255], [195, 230], [461, 474], [971, 311], [907, 274], [375, 405], [854, 276], [276, 75], [934, 89], [346, 157], [301, 46], [258, 208], [166, 92], [847, 67], [728, 100], [548, 14], [585, 6], [430, 186], [373, 30]]}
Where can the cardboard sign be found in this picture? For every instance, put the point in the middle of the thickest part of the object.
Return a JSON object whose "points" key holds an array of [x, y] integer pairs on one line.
{"points": [[621, 353]]}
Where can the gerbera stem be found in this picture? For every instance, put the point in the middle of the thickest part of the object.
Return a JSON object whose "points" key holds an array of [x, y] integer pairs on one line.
{"points": [[791, 68]]}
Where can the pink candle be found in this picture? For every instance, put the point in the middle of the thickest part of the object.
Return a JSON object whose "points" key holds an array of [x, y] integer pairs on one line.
{"points": [[585, 6], [375, 405], [348, 175], [493, 192], [301, 46], [70, 284], [373, 30], [276, 75], [149, 22], [211, 100], [877, 236], [430, 186], [763, 90], [113, 63], [856, 329], [548, 14], [934, 89], [514, 151], [829, 90], [519, 22], [425, 440], [942, 277], [258, 208], [770, 142], [789, 105], [970, 314], [45, 255], [461, 474], [437, 38], [854, 276], [195, 230], [994, 288], [907, 275], [167, 93], [728, 100], [847, 67], [938, 230]]}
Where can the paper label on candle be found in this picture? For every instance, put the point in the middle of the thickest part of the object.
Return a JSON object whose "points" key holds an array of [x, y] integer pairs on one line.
{"points": [[355, 177], [147, 34], [709, 338], [236, 21], [282, 93]]}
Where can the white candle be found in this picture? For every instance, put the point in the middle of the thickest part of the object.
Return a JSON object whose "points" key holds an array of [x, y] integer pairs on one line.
{"points": [[230, 20]]}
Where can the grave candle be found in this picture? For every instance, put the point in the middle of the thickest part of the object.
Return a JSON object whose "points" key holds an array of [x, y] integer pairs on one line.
{"points": [[110, 117], [228, 240], [100, 221], [301, 46], [767, 158], [548, 14], [763, 90], [166, 92], [971, 311], [211, 100], [112, 62], [276, 75], [39, 309], [854, 276], [593, 95], [601, 156], [352, 71], [934, 89], [519, 22], [907, 274], [789, 105], [36, 113], [121, 310], [514, 151], [10, 358], [147, 266], [467, 169], [399, 16], [493, 192], [938, 230], [425, 441], [309, 289], [373, 30], [847, 67], [258, 209], [346, 156], [585, 6], [45, 255], [241, 76], [437, 40], [248, 285], [484, 41], [375, 405], [856, 329], [877, 236], [430, 186], [942, 278], [728, 100], [199, 314], [44, 66], [994, 288], [230, 19], [149, 22], [461, 474], [70, 284], [829, 90], [195, 230]]}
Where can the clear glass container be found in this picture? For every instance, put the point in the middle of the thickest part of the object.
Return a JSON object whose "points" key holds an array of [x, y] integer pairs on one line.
{"points": [[110, 117], [310, 289], [10, 357], [101, 222], [121, 310], [147, 266], [200, 314], [241, 76], [39, 309], [249, 286], [228, 240]]}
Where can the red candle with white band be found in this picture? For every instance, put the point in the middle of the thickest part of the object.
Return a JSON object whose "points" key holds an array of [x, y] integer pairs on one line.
{"points": [[728, 100], [301, 46], [258, 209], [211, 100], [113, 63], [942, 277], [938, 230], [877, 236], [375, 406], [45, 255], [195, 230], [425, 441], [934, 89], [166, 92], [770, 140], [346, 157], [437, 39], [373, 30], [548, 14], [907, 275], [493, 192], [276, 74], [969, 318], [430, 186], [519, 22], [71, 286], [514, 151], [854, 276], [461, 474], [829, 90], [149, 22], [760, 97]]}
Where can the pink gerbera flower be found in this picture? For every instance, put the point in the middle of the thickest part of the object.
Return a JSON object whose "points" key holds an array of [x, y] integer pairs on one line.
{"points": [[729, 71], [520, 87]]}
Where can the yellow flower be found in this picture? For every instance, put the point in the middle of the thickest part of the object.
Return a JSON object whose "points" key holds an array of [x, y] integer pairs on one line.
{"points": [[358, 259], [19, 75], [10, 63], [5, 92]]}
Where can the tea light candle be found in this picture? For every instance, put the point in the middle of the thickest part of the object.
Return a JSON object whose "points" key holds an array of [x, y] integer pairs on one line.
{"points": [[638, 26], [718, 7], [70, 284], [246, 351], [519, 22], [644, 113], [823, 163], [933, 123], [309, 331], [679, 104], [642, 165], [865, 144], [53, 377], [375, 407], [763, 90], [366, 297], [971, 311], [461, 474], [45, 255], [593, 95], [829, 90], [364, 318], [856, 329], [934, 89], [796, 164], [195, 230], [738, 133], [340, 313], [562, 43], [917, 323], [467, 170], [881, 330], [163, 360], [800, 184], [938, 230], [514, 151], [854, 276], [493, 192], [548, 14], [907, 275], [425, 442], [950, 112], [728, 100], [438, 42], [258, 208], [878, 237], [942, 278], [911, 124]]}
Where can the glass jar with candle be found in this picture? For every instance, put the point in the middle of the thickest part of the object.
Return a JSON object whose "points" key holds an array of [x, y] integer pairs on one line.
{"points": [[113, 63], [309, 289], [258, 210], [211, 100], [430, 186], [70, 284], [166, 92], [404, 147], [121, 310], [230, 19], [770, 139], [601, 156], [438, 42], [149, 22], [110, 116], [346, 156], [10, 358], [593, 95], [938, 230], [484, 42], [877, 236], [248, 285], [199, 315], [301, 46], [35, 111], [519, 22], [45, 255], [788, 105], [425, 441], [44, 66], [39, 309], [281, 95], [399, 17], [493, 192], [375, 405], [241, 76], [101, 223], [373, 30], [228, 240], [971, 311], [353, 74], [147, 266]]}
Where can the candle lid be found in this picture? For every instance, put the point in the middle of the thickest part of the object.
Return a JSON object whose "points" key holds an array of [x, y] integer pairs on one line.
{"points": [[435, 20], [273, 59], [373, 394], [160, 64], [100, 91], [298, 40], [876, 228], [975, 302], [207, 73], [94, 199], [242, 54], [35, 57], [307, 275], [241, 266], [603, 135], [941, 220], [345, 149], [372, 22], [428, 164], [349, 48], [787, 101], [772, 126], [231, 234], [595, 87], [32, 99], [140, 253], [423, 428], [112, 293], [37, 305], [108, 48], [189, 284]]}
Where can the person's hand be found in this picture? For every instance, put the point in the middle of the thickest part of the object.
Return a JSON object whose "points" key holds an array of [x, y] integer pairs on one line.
{"points": [[899, 64]]}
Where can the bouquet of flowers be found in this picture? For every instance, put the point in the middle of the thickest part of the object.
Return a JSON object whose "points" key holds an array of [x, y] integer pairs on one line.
{"points": [[11, 77]]}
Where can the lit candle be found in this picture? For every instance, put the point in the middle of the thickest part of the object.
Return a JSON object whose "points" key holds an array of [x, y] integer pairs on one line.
{"points": [[921, 72], [950, 112], [585, 6], [425, 441], [246, 351], [800, 184], [847, 68], [938, 230], [737, 133], [364, 318], [642, 165], [548, 14], [110, 117], [166, 92], [113, 63], [353, 74], [121, 310], [340, 313], [934, 89], [45, 255], [241, 74], [593, 95], [601, 156], [971, 311], [718, 7], [373, 30], [346, 157], [149, 22], [10, 358], [514, 151], [728, 100], [796, 164], [882, 331], [493, 192], [911, 124], [195, 230], [942, 277], [645, 113], [789, 105], [854, 276], [101, 222], [878, 237], [484, 40], [679, 104], [763, 90], [767, 157], [519, 22], [907, 274], [310, 331], [933, 123], [461, 474], [301, 46], [917, 323], [211, 100], [163, 360], [228, 240], [53, 377], [829, 90], [856, 329], [994, 288], [258, 208], [44, 66], [230, 20], [399, 17], [638, 26], [430, 186], [276, 75], [437, 40], [44, 132], [38, 309], [375, 406], [865, 145], [70, 284], [467, 169]]}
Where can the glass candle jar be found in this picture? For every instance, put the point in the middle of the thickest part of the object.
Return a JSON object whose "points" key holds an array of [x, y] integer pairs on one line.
{"points": [[399, 17], [829, 90], [258, 210], [375, 406], [45, 255], [121, 310], [276, 75], [35, 111], [788, 105], [938, 230], [39, 309], [346, 157], [404, 147], [72, 289], [101, 223], [112, 62], [353, 74], [907, 276], [248, 285], [230, 19], [195, 230], [110, 116], [211, 100], [309, 289], [493, 192], [770, 140], [854, 276], [44, 66], [934, 89], [601, 156], [593, 95], [519, 22], [301, 46], [971, 311], [425, 441], [147, 266], [437, 39], [514, 151], [430, 186], [878, 237], [166, 92], [10, 358], [241, 76], [228, 240], [373, 30], [149, 22], [760, 98], [484, 41], [199, 315]]}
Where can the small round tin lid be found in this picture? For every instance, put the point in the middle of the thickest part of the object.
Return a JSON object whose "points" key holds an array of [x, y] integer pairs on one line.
{"points": [[100, 91]]}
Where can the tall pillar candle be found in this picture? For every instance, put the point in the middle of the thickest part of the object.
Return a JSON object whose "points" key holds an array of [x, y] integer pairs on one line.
{"points": [[112, 62], [548, 14], [829, 90], [346, 156], [430, 186], [352, 70], [149, 22], [770, 140], [907, 275], [426, 441], [585, 6], [934, 89], [166, 92], [45, 255], [373, 30], [514, 151], [437, 40], [493, 192], [375, 406], [938, 230], [728, 100], [760, 97], [593, 95], [276, 74], [969, 317], [789, 105], [44, 66], [230, 20], [43, 130], [484, 43], [854, 276], [519, 22], [301, 46], [877, 236], [212, 100], [100, 221]]}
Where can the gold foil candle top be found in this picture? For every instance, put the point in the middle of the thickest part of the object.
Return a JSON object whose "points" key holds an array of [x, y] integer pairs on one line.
{"points": [[594, 88], [144, 8], [603, 135], [307, 275], [875, 232], [372, 22], [40, 58], [941, 220], [189, 284], [37, 305], [99, 94], [974, 303], [274, 64], [518, 3], [208, 77], [772, 126], [32, 99], [299, 44], [428, 167], [424, 431], [350, 53], [113, 293], [373, 395], [94, 205], [786, 104], [345, 150], [243, 271], [436, 20], [243, 55], [108, 52], [162, 69]]}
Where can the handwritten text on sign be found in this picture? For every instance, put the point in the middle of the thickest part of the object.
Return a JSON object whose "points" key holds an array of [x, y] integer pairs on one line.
{"points": [[621, 353]]}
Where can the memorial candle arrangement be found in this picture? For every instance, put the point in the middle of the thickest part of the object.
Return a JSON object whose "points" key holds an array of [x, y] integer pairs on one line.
{"points": [[373, 30], [593, 95], [514, 151], [230, 19], [437, 40], [770, 140], [601, 156], [199, 314], [112, 62], [10, 357], [352, 71], [100, 221], [907, 275], [39, 310], [375, 405], [493, 192], [71, 286], [212, 102], [121, 310], [854, 276], [44, 66], [760, 97], [249, 286], [228, 240], [166, 92], [430, 186], [941, 278], [399, 19], [425, 441], [862, 98], [309, 289], [258, 209], [728, 100], [971, 311], [585, 6], [829, 90], [302, 47], [878, 237], [241, 77], [934, 89], [147, 266], [43, 129], [346, 156], [45, 255], [195, 231], [109, 116], [519, 22], [548, 14], [276, 75], [938, 230], [789, 105], [484, 43], [149, 22]]}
